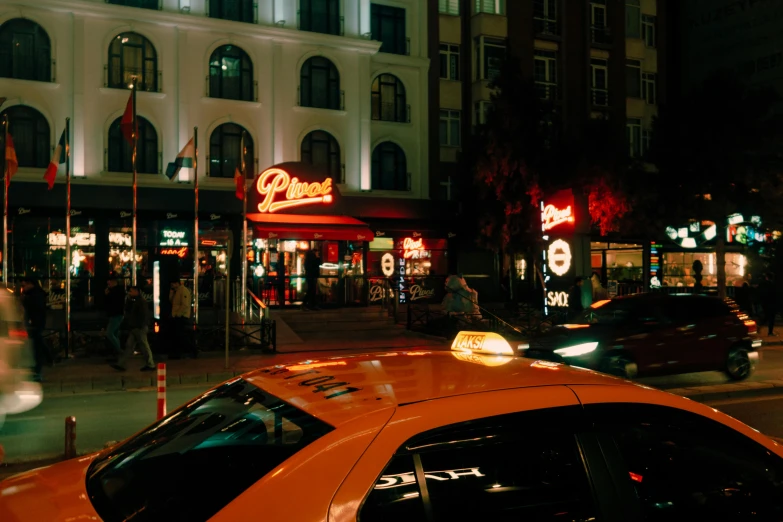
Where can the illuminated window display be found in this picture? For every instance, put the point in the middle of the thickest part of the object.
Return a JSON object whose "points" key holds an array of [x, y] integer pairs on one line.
{"points": [[678, 268]]}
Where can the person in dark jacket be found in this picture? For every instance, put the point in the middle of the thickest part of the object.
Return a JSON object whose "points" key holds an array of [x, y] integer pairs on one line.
{"points": [[769, 302], [115, 310], [575, 298], [312, 266], [34, 303], [136, 317]]}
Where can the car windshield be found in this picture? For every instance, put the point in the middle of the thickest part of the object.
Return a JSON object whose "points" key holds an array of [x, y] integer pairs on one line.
{"points": [[607, 312], [195, 461]]}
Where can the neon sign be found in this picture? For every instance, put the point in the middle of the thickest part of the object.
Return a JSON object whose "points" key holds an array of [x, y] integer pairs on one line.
{"points": [[557, 299], [387, 265], [296, 193], [179, 252], [552, 217], [559, 257], [173, 238], [413, 248]]}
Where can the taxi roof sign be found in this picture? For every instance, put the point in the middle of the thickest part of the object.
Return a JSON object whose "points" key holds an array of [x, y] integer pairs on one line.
{"points": [[481, 343]]}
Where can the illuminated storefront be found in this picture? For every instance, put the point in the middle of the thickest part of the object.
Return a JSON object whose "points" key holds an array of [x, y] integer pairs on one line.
{"points": [[558, 266]]}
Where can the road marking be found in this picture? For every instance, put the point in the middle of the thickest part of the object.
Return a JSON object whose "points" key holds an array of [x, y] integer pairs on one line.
{"points": [[740, 400]]}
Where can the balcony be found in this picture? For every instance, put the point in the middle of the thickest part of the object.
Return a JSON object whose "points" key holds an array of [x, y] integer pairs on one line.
{"points": [[600, 35], [548, 91], [391, 112], [600, 97], [546, 27], [329, 25], [152, 81], [228, 90], [331, 105]]}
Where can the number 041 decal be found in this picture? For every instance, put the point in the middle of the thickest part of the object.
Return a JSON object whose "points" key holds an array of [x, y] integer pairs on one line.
{"points": [[318, 382]]}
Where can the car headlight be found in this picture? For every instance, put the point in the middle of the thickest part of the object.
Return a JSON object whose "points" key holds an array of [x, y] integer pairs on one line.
{"points": [[579, 349]]}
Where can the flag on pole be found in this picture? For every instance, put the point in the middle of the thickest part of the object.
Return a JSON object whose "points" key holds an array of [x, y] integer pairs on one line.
{"points": [[11, 163], [58, 158], [184, 160], [239, 181], [126, 124]]}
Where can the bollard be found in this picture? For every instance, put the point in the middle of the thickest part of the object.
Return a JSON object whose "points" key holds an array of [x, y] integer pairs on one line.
{"points": [[161, 390], [70, 437]]}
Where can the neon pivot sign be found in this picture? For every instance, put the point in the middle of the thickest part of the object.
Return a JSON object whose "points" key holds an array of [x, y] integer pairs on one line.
{"points": [[281, 191], [553, 216]]}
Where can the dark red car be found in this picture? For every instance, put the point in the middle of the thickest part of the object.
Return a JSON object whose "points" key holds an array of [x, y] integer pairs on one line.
{"points": [[654, 334]]}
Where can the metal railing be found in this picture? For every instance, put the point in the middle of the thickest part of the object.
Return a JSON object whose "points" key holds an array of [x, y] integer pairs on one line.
{"points": [[600, 97], [117, 79], [208, 91], [340, 106], [392, 112], [340, 29], [600, 35], [547, 91], [253, 18], [546, 26]]}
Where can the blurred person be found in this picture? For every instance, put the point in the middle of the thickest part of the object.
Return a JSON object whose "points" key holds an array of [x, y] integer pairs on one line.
{"points": [[115, 311], [136, 317], [180, 298], [34, 303], [312, 269], [769, 302], [575, 305]]}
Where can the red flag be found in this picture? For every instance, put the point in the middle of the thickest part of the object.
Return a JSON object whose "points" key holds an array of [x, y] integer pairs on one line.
{"points": [[239, 181], [126, 124], [11, 163]]}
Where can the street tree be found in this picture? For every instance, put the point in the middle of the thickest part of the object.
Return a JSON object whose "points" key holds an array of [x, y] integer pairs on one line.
{"points": [[713, 156]]}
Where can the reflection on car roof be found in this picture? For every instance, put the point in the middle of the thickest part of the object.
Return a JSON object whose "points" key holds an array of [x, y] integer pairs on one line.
{"points": [[340, 389]]}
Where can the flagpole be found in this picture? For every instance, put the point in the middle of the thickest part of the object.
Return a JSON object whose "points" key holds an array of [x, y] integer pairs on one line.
{"points": [[5, 201], [195, 226], [134, 134], [67, 235], [243, 300]]}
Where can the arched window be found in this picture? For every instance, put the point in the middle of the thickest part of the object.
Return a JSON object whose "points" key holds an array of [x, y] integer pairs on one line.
{"points": [[25, 51], [320, 149], [144, 4], [30, 132], [121, 152], [319, 84], [231, 74], [320, 16], [236, 10], [225, 151], [389, 167], [130, 55], [388, 99]]}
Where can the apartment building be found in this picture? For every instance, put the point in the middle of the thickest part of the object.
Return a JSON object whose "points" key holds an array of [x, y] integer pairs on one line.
{"points": [[594, 59]]}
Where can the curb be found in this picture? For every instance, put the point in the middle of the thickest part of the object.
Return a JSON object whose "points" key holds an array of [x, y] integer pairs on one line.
{"points": [[729, 391]]}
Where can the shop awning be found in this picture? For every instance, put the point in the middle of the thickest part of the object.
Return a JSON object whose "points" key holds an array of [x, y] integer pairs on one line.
{"points": [[310, 228]]}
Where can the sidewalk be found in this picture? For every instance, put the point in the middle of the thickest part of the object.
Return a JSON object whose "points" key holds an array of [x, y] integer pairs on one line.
{"points": [[89, 375]]}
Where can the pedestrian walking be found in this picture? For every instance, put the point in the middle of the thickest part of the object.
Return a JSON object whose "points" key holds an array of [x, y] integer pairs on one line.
{"points": [[575, 305], [34, 303], [312, 266], [115, 311], [180, 298], [136, 317], [769, 302]]}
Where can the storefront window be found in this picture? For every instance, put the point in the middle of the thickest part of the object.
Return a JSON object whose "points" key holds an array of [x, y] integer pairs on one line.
{"points": [[678, 268], [121, 251], [622, 262]]}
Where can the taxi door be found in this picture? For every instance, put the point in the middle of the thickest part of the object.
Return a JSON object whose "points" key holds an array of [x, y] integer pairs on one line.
{"points": [[504, 455]]}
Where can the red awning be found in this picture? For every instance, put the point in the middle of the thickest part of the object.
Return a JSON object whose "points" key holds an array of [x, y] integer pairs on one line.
{"points": [[310, 228]]}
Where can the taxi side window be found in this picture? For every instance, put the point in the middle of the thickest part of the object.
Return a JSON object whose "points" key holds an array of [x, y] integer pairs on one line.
{"points": [[687, 467], [507, 468], [395, 496]]}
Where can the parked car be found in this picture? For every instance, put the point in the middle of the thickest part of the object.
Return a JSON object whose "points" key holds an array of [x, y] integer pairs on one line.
{"points": [[654, 334], [472, 434]]}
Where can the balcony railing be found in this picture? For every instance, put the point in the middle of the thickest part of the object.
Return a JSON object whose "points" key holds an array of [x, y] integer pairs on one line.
{"points": [[547, 91], [339, 30], [546, 26], [208, 90], [600, 35], [340, 107], [122, 78], [253, 18], [600, 97], [143, 4], [392, 112]]}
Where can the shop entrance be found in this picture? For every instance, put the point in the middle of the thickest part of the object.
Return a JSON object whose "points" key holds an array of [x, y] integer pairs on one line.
{"points": [[279, 274]]}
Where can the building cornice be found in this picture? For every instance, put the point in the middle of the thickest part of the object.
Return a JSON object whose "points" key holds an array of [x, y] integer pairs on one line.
{"points": [[93, 9]]}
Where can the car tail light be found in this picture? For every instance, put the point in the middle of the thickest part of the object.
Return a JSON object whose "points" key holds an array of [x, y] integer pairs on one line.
{"points": [[750, 324], [17, 333]]}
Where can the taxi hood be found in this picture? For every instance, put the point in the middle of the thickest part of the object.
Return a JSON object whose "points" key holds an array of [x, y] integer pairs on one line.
{"points": [[54, 493]]}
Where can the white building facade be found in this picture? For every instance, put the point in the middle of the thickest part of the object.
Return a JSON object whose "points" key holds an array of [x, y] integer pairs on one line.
{"points": [[300, 79]]}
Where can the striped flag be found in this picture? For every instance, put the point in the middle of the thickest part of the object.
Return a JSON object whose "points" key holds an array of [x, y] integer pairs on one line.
{"points": [[58, 158], [185, 160], [11, 163]]}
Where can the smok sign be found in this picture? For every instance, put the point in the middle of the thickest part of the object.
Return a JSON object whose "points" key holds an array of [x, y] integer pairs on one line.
{"points": [[558, 211], [279, 191]]}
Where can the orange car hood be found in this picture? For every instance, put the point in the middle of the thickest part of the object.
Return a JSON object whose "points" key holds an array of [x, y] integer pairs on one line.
{"points": [[54, 493]]}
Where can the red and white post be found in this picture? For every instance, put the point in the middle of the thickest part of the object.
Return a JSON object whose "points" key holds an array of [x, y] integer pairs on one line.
{"points": [[161, 390]]}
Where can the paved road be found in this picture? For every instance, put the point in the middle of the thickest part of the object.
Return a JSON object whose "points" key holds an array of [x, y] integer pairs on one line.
{"points": [[100, 418], [763, 413]]}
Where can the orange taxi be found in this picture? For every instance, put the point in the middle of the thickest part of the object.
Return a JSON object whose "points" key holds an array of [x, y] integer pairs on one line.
{"points": [[470, 434]]}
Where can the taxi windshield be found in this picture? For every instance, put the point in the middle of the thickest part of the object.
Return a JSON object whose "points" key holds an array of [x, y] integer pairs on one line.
{"points": [[195, 461]]}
